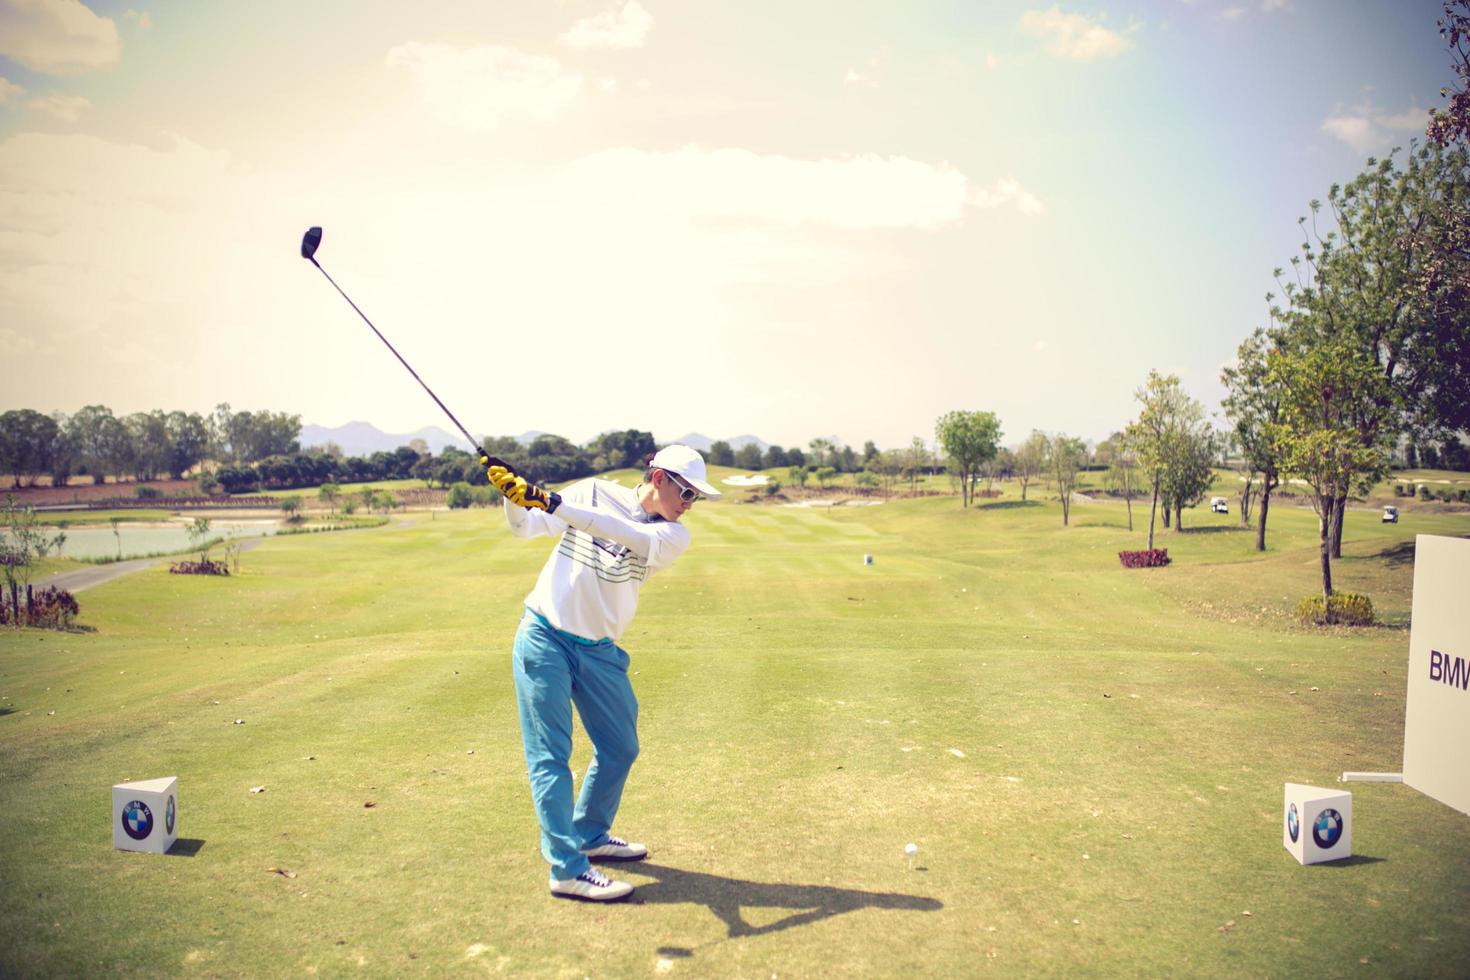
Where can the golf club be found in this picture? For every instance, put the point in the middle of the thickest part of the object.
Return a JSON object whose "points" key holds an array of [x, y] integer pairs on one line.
{"points": [[310, 242]]}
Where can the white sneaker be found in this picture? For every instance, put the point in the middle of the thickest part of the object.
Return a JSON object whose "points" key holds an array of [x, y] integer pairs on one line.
{"points": [[617, 849], [591, 886]]}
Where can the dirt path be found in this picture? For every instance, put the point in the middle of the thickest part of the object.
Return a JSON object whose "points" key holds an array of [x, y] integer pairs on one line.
{"points": [[85, 578]]}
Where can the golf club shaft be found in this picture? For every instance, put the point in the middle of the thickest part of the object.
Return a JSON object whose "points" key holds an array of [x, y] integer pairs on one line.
{"points": [[472, 440]]}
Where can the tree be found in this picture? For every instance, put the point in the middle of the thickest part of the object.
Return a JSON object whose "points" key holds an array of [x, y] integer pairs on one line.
{"points": [[720, 454], [291, 507], [1123, 473], [198, 531], [1064, 458], [1362, 285], [969, 439], [916, 459], [1166, 409], [330, 492], [1444, 243], [1323, 386], [1030, 457], [797, 475], [25, 540], [188, 441], [148, 436], [997, 467], [98, 438], [820, 448], [1254, 407], [1190, 469], [27, 439], [885, 467], [748, 457], [825, 474]]}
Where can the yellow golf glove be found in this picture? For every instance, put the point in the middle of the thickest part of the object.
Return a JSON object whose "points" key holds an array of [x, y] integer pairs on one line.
{"points": [[517, 489]]}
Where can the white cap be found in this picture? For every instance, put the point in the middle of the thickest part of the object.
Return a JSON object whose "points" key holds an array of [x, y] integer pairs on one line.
{"points": [[686, 464]]}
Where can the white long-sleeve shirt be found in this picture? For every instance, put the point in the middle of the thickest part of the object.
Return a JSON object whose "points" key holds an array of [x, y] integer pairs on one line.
{"points": [[609, 547]]}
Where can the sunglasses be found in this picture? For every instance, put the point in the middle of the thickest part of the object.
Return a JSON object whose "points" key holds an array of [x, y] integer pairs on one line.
{"points": [[686, 493]]}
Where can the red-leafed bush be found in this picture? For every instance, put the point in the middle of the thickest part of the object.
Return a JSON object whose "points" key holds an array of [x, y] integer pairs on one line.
{"points": [[51, 608], [1148, 558], [198, 568]]}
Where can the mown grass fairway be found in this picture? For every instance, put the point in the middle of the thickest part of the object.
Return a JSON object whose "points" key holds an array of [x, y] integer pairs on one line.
{"points": [[1090, 759]]}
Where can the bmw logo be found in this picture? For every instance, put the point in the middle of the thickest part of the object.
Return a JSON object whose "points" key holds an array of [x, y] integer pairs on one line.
{"points": [[1293, 824], [168, 817], [137, 820], [1327, 829]]}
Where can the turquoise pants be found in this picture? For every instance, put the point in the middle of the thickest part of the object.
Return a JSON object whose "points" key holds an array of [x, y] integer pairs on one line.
{"points": [[553, 671]]}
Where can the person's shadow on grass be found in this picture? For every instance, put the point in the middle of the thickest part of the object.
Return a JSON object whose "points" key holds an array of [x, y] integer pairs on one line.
{"points": [[727, 896]]}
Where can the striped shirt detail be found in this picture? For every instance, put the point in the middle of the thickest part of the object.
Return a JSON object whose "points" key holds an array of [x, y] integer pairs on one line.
{"points": [[610, 561]]}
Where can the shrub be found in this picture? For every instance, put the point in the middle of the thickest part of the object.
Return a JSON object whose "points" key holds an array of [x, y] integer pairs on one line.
{"points": [[1342, 608], [460, 496], [1463, 496], [51, 608], [202, 567], [772, 488], [1425, 493], [208, 485], [1156, 558], [147, 493]]}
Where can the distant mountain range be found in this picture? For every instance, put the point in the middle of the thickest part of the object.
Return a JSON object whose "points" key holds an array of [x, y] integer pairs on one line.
{"points": [[364, 439], [695, 440]]}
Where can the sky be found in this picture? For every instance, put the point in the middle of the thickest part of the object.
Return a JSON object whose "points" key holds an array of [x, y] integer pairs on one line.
{"points": [[788, 219]]}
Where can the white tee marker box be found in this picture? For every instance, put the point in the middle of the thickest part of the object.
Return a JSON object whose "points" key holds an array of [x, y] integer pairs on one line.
{"points": [[145, 815], [1317, 824]]}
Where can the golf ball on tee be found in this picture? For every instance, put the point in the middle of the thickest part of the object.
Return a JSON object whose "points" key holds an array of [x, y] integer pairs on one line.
{"points": [[911, 849]]}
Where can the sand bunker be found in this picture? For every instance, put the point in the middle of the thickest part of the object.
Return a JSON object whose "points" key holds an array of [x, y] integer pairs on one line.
{"points": [[754, 480]]}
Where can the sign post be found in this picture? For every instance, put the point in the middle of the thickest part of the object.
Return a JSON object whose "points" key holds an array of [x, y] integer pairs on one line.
{"points": [[1437, 711]]}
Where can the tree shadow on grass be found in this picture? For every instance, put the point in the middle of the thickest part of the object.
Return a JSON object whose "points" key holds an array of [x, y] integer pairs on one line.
{"points": [[1214, 529], [726, 897], [1398, 555], [1008, 505]]}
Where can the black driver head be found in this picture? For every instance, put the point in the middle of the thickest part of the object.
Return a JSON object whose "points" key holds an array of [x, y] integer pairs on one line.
{"points": [[310, 241]]}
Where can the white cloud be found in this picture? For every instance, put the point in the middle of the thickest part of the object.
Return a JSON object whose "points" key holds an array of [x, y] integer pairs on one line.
{"points": [[141, 19], [9, 88], [476, 88], [68, 108], [1074, 36], [866, 74], [57, 37], [1006, 190], [624, 27], [1368, 129], [854, 193]]}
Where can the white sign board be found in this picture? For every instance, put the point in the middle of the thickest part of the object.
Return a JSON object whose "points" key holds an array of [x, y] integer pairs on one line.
{"points": [[1437, 712]]}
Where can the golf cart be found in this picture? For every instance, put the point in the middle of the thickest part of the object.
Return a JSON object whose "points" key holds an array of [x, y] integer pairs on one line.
{"points": [[1390, 514], [1219, 505]]}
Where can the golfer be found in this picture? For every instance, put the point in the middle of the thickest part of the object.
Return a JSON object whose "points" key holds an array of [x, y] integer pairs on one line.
{"points": [[566, 650]]}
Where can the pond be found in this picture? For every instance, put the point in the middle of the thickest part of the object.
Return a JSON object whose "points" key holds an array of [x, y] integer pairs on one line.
{"points": [[138, 539]]}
